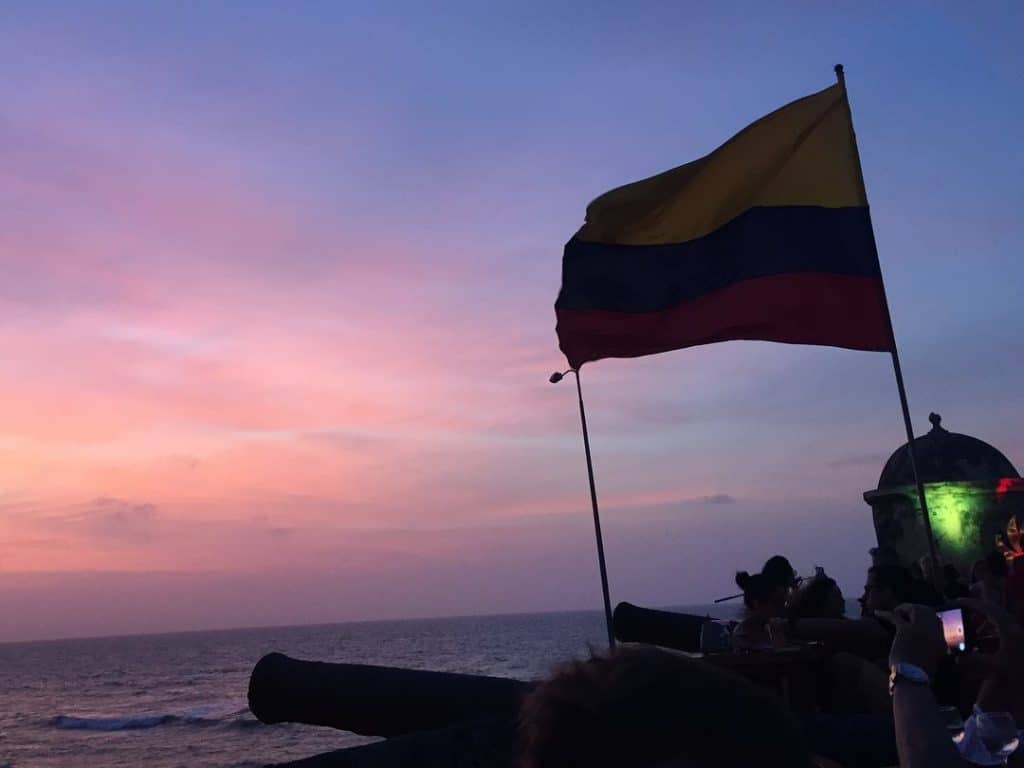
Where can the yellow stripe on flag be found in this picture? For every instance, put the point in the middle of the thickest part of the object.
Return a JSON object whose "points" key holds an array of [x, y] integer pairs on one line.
{"points": [[799, 155]]}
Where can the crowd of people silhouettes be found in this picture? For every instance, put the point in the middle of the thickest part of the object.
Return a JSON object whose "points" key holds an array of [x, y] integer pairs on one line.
{"points": [[890, 671]]}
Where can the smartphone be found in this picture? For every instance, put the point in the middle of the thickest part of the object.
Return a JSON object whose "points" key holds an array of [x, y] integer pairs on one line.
{"points": [[954, 630]]}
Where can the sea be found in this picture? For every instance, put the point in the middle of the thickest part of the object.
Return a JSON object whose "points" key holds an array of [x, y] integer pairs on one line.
{"points": [[179, 700]]}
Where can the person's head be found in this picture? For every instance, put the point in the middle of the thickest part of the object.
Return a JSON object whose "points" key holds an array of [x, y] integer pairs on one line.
{"points": [[950, 573], [819, 598], [779, 572], [886, 587], [883, 556], [760, 595], [648, 708], [780, 575]]}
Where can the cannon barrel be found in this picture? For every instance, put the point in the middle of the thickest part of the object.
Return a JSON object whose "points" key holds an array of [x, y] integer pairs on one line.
{"points": [[634, 624], [376, 701]]}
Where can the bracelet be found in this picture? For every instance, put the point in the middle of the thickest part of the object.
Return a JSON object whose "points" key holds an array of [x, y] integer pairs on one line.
{"points": [[911, 673]]}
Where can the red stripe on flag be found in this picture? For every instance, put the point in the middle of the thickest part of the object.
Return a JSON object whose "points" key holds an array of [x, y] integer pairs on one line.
{"points": [[804, 308]]}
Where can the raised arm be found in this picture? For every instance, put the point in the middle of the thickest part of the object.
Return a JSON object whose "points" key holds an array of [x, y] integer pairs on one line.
{"points": [[921, 736]]}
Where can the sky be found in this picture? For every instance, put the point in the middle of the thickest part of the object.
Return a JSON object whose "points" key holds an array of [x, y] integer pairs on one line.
{"points": [[276, 317]]}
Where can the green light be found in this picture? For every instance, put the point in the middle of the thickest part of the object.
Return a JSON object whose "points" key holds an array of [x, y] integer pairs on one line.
{"points": [[957, 511]]}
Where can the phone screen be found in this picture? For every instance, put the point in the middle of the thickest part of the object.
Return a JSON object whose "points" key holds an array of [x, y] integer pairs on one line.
{"points": [[953, 630]]}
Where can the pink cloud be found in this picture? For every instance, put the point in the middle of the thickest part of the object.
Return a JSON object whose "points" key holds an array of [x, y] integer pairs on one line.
{"points": [[314, 573]]}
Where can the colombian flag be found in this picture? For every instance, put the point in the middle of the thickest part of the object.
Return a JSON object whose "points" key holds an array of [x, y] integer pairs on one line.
{"points": [[768, 237]]}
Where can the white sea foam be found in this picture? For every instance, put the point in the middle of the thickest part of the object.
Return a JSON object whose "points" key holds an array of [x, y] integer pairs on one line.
{"points": [[130, 722], [199, 715]]}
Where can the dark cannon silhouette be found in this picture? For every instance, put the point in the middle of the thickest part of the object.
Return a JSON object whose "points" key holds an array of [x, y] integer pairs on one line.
{"points": [[454, 719], [427, 718], [376, 701], [668, 629]]}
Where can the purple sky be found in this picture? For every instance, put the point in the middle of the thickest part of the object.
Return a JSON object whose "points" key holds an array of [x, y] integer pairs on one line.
{"points": [[277, 310]]}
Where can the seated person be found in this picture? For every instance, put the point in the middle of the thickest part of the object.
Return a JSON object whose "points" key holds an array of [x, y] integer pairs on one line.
{"points": [[855, 684], [780, 574], [648, 708], [818, 598], [887, 586], [762, 601]]}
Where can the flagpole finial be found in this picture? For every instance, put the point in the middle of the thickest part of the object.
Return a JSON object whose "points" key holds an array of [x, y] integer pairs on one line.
{"points": [[840, 75]]}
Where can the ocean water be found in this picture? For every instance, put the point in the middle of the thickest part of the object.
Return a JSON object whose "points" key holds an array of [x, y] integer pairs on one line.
{"points": [[164, 701]]}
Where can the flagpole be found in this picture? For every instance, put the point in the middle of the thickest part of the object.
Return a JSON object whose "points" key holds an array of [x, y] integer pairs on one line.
{"points": [[897, 369], [555, 378]]}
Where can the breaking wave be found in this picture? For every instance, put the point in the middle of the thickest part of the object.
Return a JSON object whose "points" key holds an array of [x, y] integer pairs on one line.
{"points": [[129, 723], [211, 714]]}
